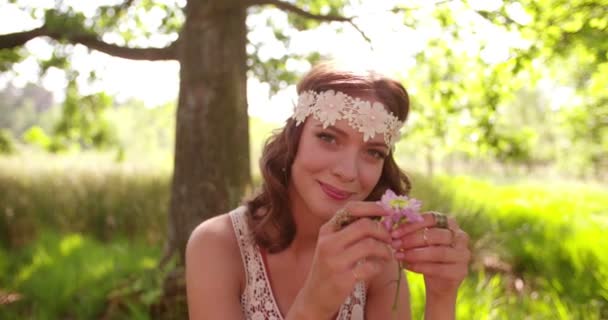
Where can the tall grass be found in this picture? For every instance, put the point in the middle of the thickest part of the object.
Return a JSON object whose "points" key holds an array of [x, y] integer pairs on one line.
{"points": [[83, 193]]}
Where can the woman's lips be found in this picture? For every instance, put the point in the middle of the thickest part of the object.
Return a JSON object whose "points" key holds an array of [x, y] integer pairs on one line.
{"points": [[334, 193]]}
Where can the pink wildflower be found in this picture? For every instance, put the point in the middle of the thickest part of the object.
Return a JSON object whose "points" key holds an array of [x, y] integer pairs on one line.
{"points": [[402, 208]]}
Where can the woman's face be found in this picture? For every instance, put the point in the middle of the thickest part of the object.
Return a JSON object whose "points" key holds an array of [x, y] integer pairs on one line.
{"points": [[334, 166]]}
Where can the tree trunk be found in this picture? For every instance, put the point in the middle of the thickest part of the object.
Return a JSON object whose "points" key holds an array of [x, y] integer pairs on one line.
{"points": [[211, 168]]}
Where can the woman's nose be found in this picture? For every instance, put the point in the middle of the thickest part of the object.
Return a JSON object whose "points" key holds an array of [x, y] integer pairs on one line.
{"points": [[345, 167]]}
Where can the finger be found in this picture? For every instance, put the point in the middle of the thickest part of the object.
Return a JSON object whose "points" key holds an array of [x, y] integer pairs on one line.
{"points": [[439, 254], [360, 229], [367, 249], [441, 270], [428, 221], [365, 209], [453, 224], [355, 210], [424, 238], [461, 240]]}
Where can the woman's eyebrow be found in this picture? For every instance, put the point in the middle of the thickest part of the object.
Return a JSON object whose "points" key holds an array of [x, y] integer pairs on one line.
{"points": [[378, 144], [333, 128], [341, 132]]}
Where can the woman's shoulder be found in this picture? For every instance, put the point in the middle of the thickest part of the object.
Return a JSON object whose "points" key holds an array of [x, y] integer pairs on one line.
{"points": [[216, 232], [214, 241], [213, 261]]}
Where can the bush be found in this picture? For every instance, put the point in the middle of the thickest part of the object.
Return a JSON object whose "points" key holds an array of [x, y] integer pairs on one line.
{"points": [[7, 144], [36, 136]]}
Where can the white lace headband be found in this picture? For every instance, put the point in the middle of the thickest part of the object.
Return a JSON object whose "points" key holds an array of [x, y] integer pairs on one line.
{"points": [[364, 116]]}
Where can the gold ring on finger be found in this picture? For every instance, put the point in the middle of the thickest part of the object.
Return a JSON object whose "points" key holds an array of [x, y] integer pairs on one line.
{"points": [[341, 219], [425, 237], [453, 239]]}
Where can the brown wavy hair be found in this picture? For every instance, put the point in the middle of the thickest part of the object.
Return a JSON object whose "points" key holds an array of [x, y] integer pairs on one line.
{"points": [[269, 212]]}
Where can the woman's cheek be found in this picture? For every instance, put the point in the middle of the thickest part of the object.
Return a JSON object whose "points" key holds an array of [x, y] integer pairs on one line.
{"points": [[370, 174]]}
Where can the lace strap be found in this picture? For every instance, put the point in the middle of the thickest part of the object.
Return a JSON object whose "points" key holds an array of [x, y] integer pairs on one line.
{"points": [[243, 237], [257, 300], [354, 305]]}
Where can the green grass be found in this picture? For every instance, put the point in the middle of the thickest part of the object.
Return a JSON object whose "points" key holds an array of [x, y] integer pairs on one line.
{"points": [[79, 234], [73, 276], [483, 296], [548, 238]]}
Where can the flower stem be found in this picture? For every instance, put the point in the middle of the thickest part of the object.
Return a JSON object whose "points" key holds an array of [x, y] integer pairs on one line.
{"points": [[396, 300]]}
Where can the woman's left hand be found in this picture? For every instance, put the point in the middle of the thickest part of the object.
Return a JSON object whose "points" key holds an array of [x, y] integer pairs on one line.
{"points": [[439, 252]]}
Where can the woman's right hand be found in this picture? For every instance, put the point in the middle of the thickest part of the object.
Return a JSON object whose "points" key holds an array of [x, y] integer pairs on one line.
{"points": [[343, 257]]}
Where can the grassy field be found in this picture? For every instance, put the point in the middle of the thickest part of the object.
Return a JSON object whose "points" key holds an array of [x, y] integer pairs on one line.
{"points": [[539, 248], [80, 238]]}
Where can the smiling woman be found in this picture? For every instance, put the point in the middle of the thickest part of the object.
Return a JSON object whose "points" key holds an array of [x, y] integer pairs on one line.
{"points": [[339, 101], [280, 256]]}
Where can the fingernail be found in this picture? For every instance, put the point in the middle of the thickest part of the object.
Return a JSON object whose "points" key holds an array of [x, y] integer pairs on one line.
{"points": [[399, 255], [396, 244]]}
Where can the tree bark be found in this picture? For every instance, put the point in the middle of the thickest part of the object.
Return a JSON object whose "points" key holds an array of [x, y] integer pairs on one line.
{"points": [[211, 168]]}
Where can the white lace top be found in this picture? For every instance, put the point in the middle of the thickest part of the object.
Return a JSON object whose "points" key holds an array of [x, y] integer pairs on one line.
{"points": [[257, 300]]}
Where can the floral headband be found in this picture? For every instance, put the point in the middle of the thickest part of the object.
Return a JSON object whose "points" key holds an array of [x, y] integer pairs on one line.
{"points": [[364, 116]]}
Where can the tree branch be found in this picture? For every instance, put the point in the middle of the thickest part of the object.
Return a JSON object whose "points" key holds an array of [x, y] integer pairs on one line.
{"points": [[166, 53], [286, 6], [361, 32], [17, 39], [126, 4], [12, 40]]}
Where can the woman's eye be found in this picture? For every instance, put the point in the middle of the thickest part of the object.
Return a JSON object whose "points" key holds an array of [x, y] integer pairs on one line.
{"points": [[326, 137], [377, 154]]}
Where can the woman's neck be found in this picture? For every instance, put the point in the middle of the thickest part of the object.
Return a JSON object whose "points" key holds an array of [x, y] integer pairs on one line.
{"points": [[307, 232], [307, 227]]}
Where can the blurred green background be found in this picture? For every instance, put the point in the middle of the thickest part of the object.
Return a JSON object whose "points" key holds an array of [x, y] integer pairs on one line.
{"points": [[508, 132]]}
